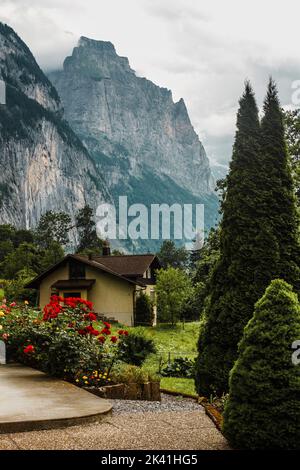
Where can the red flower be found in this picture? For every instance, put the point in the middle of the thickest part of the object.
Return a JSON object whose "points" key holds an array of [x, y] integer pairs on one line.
{"points": [[82, 332], [101, 339], [108, 325], [105, 331], [123, 332], [95, 332], [90, 316], [29, 349], [114, 339]]}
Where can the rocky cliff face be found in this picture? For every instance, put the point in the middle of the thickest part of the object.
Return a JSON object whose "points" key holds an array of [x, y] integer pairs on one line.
{"points": [[143, 141], [43, 163]]}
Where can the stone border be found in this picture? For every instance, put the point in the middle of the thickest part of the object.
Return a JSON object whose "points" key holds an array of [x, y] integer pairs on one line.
{"points": [[210, 410], [148, 391]]}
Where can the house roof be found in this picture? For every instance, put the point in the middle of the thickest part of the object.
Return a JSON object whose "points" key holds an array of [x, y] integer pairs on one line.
{"points": [[74, 284], [34, 284], [128, 265]]}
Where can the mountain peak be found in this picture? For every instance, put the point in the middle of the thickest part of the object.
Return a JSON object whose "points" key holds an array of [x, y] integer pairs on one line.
{"points": [[103, 46]]}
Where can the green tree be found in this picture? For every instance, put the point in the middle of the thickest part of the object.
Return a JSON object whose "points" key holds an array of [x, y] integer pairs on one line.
{"points": [[279, 189], [171, 256], [50, 256], [292, 134], [252, 235], [263, 410], [86, 227], [53, 227], [25, 257], [144, 314], [173, 288]]}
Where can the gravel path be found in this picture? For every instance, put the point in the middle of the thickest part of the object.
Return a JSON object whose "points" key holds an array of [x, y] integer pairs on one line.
{"points": [[168, 403], [174, 424]]}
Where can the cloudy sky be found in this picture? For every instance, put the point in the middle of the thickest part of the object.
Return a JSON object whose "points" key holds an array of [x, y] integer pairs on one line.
{"points": [[201, 50]]}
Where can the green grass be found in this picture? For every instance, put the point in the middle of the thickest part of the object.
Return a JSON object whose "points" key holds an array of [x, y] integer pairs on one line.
{"points": [[1, 294], [179, 385], [178, 341]]}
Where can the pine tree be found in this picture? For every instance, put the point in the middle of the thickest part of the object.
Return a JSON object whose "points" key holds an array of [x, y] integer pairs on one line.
{"points": [[279, 195], [249, 254], [86, 227], [263, 409]]}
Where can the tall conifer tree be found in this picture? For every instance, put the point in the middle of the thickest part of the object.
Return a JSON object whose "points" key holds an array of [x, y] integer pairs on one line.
{"points": [[251, 251], [279, 196]]}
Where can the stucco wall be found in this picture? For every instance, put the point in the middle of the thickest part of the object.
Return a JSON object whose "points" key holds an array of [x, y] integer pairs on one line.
{"points": [[111, 296], [45, 287]]}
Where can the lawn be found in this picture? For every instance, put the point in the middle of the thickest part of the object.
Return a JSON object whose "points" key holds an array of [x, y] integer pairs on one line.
{"points": [[172, 342]]}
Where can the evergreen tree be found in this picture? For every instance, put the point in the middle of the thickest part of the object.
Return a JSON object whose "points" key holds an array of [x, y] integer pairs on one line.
{"points": [[144, 314], [249, 254], [53, 227], [263, 410], [171, 256], [279, 197], [88, 239]]}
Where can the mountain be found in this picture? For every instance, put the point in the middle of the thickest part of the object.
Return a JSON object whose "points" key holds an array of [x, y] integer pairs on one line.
{"points": [[219, 170], [44, 165], [142, 141]]}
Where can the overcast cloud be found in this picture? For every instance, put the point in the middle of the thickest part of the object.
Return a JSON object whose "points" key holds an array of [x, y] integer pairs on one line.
{"points": [[202, 51]]}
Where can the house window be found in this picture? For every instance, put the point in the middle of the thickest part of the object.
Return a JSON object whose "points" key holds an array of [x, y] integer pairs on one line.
{"points": [[72, 294], [76, 270]]}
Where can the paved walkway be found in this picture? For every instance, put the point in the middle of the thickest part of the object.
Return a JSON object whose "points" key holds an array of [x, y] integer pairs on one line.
{"points": [[27, 395], [31, 400]]}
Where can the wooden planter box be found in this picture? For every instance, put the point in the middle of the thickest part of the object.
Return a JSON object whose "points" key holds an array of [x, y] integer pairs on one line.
{"points": [[149, 391]]}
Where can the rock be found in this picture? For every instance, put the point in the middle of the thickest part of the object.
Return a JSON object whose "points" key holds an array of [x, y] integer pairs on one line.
{"points": [[155, 391], [44, 165], [143, 142]]}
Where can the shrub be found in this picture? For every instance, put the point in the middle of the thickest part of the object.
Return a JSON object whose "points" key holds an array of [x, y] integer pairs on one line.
{"points": [[144, 314], [179, 367], [263, 409], [135, 348], [63, 341], [125, 373]]}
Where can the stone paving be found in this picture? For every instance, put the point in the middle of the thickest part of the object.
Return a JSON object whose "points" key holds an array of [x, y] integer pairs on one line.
{"points": [[173, 424], [31, 400]]}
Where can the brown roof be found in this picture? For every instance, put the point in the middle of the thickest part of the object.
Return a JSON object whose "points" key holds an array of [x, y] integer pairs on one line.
{"points": [[128, 265], [34, 284]]}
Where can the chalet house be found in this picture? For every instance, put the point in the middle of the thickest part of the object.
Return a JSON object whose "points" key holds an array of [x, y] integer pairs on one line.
{"points": [[112, 283]]}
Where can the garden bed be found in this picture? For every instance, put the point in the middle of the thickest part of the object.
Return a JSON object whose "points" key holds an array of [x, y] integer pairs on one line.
{"points": [[149, 391]]}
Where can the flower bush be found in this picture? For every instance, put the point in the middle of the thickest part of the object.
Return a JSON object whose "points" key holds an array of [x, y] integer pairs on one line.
{"points": [[64, 340]]}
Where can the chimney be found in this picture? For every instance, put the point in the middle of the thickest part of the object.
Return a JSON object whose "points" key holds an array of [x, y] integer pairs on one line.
{"points": [[106, 248]]}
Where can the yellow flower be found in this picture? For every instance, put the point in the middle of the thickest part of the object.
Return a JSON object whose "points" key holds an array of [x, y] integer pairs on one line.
{"points": [[2, 314], [84, 377], [77, 380], [1, 327], [86, 382], [26, 302]]}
